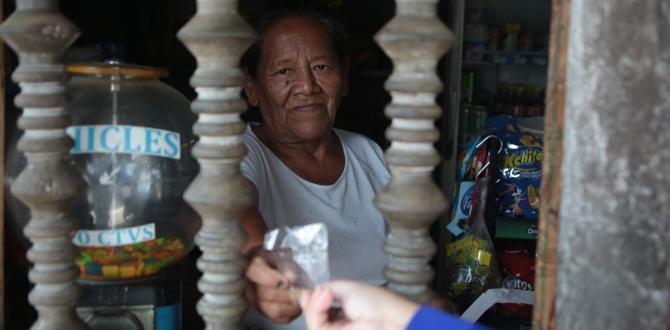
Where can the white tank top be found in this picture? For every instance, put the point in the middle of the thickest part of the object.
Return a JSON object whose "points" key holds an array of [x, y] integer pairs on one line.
{"points": [[356, 229]]}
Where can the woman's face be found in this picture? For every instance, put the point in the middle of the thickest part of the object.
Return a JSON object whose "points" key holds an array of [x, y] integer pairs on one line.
{"points": [[299, 81]]}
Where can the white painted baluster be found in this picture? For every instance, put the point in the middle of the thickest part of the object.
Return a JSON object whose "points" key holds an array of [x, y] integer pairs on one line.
{"points": [[414, 39], [40, 35], [217, 36]]}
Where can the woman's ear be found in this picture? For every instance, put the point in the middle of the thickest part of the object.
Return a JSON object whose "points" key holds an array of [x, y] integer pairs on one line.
{"points": [[250, 89]]}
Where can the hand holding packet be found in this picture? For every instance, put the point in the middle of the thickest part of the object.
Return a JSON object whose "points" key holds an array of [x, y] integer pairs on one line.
{"points": [[301, 254]]}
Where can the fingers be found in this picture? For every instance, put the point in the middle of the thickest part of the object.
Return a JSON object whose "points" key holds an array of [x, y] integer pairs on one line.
{"points": [[276, 304], [357, 299], [305, 300], [322, 300], [312, 317], [364, 303], [279, 312], [316, 308], [260, 273], [271, 291], [269, 294], [343, 290]]}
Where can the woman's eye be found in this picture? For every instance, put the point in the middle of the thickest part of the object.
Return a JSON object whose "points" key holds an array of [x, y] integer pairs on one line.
{"points": [[320, 67], [282, 71]]}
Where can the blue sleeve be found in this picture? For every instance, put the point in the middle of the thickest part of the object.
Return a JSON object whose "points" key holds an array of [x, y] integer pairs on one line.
{"points": [[430, 318]]}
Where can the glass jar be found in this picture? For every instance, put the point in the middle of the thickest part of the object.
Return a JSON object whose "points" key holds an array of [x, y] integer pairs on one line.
{"points": [[132, 145]]}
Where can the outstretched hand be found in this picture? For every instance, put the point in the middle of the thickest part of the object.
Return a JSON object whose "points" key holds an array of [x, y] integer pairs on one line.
{"points": [[364, 306], [270, 291]]}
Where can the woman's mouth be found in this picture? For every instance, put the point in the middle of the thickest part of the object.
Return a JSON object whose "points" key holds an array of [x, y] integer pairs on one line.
{"points": [[308, 107]]}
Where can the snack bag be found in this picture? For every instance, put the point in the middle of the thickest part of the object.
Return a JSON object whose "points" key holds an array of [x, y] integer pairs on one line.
{"points": [[518, 271], [300, 253], [475, 163], [520, 170], [471, 262]]}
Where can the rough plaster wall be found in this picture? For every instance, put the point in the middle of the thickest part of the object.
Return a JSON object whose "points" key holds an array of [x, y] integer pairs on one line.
{"points": [[614, 239]]}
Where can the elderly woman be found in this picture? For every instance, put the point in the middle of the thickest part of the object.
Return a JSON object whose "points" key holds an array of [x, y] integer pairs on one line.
{"points": [[305, 170]]}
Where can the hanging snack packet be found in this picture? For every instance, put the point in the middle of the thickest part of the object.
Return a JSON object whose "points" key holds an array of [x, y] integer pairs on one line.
{"points": [[300, 253], [471, 262], [476, 161], [518, 185]]}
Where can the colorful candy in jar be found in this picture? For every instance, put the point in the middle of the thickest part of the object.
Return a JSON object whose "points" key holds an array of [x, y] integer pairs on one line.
{"points": [[129, 261]]}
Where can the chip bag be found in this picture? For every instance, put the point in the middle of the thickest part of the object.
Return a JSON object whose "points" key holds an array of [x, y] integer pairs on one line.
{"points": [[517, 192], [518, 268]]}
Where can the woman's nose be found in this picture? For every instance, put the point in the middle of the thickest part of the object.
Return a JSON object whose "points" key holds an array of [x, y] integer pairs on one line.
{"points": [[306, 82]]}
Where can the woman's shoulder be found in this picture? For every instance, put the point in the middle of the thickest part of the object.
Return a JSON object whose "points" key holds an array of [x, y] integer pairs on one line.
{"points": [[255, 154], [250, 140], [363, 147], [356, 140]]}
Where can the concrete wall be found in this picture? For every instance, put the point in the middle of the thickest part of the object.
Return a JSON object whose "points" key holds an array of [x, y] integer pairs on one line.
{"points": [[614, 240]]}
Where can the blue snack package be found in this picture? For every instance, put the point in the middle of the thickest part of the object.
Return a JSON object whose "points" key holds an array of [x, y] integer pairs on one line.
{"points": [[461, 200], [474, 165], [517, 188]]}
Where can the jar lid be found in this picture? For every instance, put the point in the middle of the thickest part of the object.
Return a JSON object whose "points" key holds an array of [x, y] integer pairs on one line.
{"points": [[116, 69]]}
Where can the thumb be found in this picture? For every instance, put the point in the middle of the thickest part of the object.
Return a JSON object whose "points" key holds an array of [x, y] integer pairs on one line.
{"points": [[260, 272], [367, 303], [316, 307]]}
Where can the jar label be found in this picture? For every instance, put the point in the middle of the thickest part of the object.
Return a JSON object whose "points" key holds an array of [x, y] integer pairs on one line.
{"points": [[125, 140], [115, 237]]}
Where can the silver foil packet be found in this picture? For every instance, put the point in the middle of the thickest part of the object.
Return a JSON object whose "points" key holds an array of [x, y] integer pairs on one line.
{"points": [[300, 253]]}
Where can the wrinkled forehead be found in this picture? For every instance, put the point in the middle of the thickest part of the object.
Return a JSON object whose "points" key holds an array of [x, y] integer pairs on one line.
{"points": [[295, 31]]}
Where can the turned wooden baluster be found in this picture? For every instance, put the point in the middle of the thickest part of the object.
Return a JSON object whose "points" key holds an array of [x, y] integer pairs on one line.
{"points": [[217, 36], [40, 35], [414, 40]]}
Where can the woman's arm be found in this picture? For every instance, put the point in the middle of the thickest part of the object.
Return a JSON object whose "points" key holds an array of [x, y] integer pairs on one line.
{"points": [[268, 289], [253, 224]]}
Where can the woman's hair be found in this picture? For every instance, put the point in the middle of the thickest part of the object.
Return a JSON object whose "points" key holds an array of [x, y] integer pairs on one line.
{"points": [[279, 10]]}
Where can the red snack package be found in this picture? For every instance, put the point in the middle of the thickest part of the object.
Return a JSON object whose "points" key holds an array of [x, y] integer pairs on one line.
{"points": [[518, 270]]}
